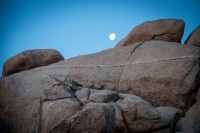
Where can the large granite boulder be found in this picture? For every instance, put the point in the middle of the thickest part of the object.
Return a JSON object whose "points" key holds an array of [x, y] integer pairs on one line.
{"points": [[163, 73], [30, 59], [54, 112], [163, 29], [141, 116], [194, 37]]}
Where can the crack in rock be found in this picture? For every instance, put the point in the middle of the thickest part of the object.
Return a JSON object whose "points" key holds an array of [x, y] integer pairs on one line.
{"points": [[128, 60]]}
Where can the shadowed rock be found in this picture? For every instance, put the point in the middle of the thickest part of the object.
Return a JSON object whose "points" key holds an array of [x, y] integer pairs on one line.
{"points": [[141, 116], [191, 122]]}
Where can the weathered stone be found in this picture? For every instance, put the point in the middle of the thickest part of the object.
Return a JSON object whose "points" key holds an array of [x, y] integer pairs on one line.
{"points": [[57, 92], [163, 73], [94, 118], [163, 29], [30, 59], [83, 94], [21, 99], [139, 114], [54, 112], [194, 37], [104, 96], [171, 116], [191, 122]]}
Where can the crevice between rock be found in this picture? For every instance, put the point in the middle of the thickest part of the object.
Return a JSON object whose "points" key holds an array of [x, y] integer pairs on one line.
{"points": [[40, 117], [194, 63]]}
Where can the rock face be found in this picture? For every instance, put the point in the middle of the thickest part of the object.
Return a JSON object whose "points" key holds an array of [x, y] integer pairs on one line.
{"points": [[59, 113], [194, 37], [143, 87], [30, 59], [163, 73], [163, 29], [191, 122], [139, 114]]}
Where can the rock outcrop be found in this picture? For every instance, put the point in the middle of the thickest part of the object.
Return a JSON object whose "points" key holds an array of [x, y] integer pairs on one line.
{"points": [[163, 29], [61, 113], [194, 37], [144, 87], [30, 59], [163, 73]]}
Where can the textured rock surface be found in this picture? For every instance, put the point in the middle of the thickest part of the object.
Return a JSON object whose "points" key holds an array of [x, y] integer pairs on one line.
{"points": [[163, 73], [104, 96], [30, 59], [95, 118], [83, 94], [54, 112], [194, 37], [191, 122], [120, 124], [125, 89], [139, 114], [163, 29]]}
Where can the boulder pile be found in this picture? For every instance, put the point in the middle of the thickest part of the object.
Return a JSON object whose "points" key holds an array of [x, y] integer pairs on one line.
{"points": [[148, 83]]}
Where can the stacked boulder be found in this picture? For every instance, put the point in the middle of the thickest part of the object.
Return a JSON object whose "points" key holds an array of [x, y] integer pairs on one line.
{"points": [[148, 83], [193, 38], [30, 59]]}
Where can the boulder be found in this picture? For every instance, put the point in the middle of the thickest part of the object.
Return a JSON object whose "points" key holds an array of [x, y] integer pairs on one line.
{"points": [[30, 59], [104, 96], [55, 92], [194, 37], [191, 122], [163, 29], [32, 100], [139, 114], [95, 118], [83, 94], [54, 112]]}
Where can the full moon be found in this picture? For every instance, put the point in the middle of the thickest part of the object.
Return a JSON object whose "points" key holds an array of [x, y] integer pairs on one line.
{"points": [[112, 36]]}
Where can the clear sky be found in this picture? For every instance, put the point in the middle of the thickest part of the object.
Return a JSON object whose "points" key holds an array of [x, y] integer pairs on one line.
{"points": [[78, 27]]}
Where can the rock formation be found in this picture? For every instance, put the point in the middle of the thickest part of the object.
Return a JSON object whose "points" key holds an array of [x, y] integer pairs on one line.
{"points": [[142, 87], [194, 37], [163, 29], [191, 122], [30, 59], [163, 73]]}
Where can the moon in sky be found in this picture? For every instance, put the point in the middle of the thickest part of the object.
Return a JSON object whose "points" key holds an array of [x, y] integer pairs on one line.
{"points": [[112, 36]]}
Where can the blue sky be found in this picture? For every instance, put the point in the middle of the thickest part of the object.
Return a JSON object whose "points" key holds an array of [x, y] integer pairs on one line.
{"points": [[78, 27]]}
